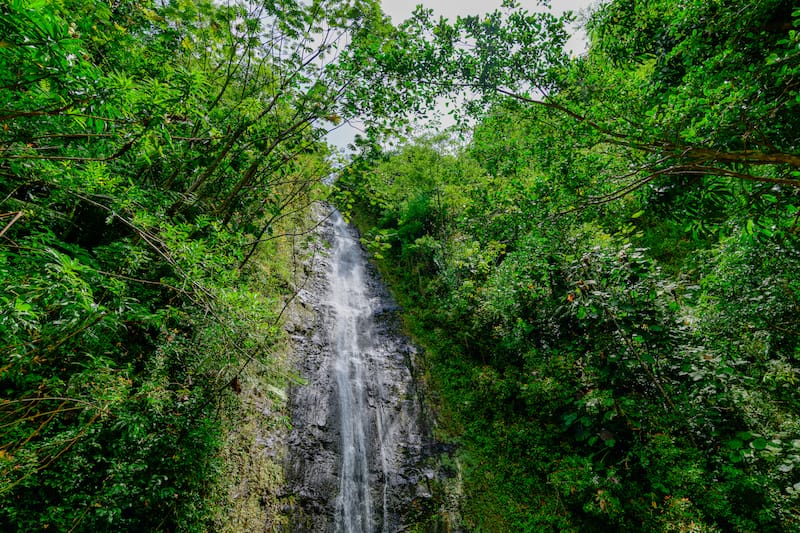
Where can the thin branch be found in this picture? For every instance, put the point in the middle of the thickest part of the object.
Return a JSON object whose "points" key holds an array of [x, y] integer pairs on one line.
{"points": [[17, 216], [9, 114], [119, 153]]}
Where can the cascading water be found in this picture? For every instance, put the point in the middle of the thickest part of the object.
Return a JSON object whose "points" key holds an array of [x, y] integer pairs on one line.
{"points": [[353, 345], [359, 452]]}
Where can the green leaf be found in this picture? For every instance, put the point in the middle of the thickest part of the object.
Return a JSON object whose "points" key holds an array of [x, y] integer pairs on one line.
{"points": [[734, 444], [22, 307]]}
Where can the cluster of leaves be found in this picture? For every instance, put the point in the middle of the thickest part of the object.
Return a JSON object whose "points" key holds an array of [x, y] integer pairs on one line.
{"points": [[148, 149], [605, 277]]}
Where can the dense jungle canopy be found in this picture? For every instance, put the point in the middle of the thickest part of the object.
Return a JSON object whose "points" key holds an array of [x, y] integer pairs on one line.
{"points": [[601, 262]]}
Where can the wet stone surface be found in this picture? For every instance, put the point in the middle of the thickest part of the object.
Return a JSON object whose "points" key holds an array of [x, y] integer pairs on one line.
{"points": [[359, 452]]}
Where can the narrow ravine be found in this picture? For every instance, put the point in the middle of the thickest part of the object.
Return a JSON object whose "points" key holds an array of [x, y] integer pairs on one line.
{"points": [[361, 458]]}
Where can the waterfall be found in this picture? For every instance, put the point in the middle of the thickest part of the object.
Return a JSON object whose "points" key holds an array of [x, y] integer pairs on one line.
{"points": [[359, 452], [352, 338]]}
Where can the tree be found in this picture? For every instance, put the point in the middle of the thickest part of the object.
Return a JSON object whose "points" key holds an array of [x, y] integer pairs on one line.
{"points": [[614, 332], [149, 151], [716, 83]]}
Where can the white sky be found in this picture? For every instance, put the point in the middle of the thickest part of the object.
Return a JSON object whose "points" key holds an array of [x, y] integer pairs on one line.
{"points": [[400, 10]]}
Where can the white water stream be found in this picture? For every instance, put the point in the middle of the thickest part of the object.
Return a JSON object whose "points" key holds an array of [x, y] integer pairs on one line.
{"points": [[354, 351]]}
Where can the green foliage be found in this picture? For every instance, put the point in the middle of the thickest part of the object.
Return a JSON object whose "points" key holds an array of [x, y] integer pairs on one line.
{"points": [[148, 151], [425, 58], [607, 297], [604, 274]]}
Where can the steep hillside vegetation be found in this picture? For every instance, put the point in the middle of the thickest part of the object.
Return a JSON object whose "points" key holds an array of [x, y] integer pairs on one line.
{"points": [[605, 274], [152, 155]]}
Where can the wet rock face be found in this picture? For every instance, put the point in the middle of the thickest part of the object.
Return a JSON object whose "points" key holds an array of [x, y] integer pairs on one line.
{"points": [[359, 447]]}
